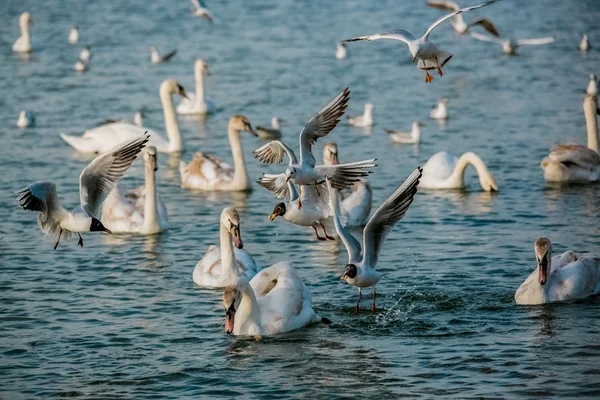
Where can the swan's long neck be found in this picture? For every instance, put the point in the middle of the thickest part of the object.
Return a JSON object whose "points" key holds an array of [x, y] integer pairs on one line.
{"points": [[458, 175], [228, 261], [24, 27], [171, 125], [240, 176], [416, 131], [247, 317], [150, 205], [199, 75], [590, 105]]}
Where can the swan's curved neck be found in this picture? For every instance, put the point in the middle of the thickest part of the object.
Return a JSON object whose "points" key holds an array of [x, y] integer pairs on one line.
{"points": [[590, 105], [247, 317], [171, 125], [199, 75], [150, 204], [240, 176], [458, 175], [24, 27], [228, 260]]}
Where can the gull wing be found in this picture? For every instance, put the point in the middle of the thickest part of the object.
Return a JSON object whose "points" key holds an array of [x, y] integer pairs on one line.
{"points": [[321, 124], [397, 34], [273, 152], [537, 41], [486, 38], [101, 175], [455, 13], [444, 5], [277, 185], [196, 4], [42, 197], [352, 245], [386, 216], [487, 25]]}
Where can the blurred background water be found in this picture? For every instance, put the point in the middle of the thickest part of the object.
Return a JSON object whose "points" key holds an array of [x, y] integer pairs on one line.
{"points": [[121, 318]]}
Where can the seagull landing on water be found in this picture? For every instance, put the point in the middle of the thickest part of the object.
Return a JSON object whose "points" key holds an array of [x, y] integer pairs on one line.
{"points": [[458, 23], [95, 183], [510, 46], [429, 56]]}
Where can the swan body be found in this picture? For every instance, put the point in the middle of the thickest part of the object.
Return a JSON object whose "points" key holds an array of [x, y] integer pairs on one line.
{"points": [[573, 162], [441, 111], [561, 278], [26, 119], [446, 171], [84, 54], [273, 133], [102, 138], [224, 265], [140, 210], [341, 52], [74, 35], [364, 120], [585, 46], [274, 301], [23, 43], [197, 103], [412, 137], [206, 172], [592, 88]]}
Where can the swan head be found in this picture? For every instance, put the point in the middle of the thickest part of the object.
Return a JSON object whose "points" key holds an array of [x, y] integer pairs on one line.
{"points": [[150, 158], [290, 173], [241, 123], [488, 183], [25, 19], [97, 226], [350, 272], [230, 219], [278, 211], [330, 154], [232, 296], [543, 256]]}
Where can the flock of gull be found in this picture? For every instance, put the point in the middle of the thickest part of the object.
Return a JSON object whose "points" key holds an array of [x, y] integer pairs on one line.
{"points": [[330, 197]]}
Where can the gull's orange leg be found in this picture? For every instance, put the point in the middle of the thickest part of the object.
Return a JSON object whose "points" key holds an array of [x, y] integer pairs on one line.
{"points": [[439, 69], [428, 78]]}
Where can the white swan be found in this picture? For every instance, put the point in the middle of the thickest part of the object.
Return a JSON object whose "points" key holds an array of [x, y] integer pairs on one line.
{"points": [[206, 172], [574, 162], [272, 133], [23, 43], [412, 137], [84, 54], [364, 120], [274, 301], [584, 46], [74, 35], [26, 119], [197, 103], [220, 267], [565, 277], [139, 210], [356, 206], [341, 52], [441, 111], [103, 138], [156, 58], [446, 171], [592, 87]]}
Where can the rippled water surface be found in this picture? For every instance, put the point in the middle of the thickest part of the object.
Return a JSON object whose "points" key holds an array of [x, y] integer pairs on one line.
{"points": [[121, 318]]}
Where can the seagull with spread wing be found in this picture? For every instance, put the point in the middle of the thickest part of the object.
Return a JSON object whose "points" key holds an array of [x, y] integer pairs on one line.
{"points": [[200, 10], [458, 23], [360, 270], [305, 171], [95, 183], [510, 46], [429, 56]]}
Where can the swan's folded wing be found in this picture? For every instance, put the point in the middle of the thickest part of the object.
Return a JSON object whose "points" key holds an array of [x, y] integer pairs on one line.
{"points": [[386, 216], [321, 124], [273, 152], [42, 197], [581, 156]]}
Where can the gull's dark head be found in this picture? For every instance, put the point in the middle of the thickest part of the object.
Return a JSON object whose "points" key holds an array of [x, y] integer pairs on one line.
{"points": [[350, 272], [278, 211], [97, 226]]}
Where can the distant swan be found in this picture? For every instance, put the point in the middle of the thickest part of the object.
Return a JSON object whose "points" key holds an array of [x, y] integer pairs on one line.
{"points": [[23, 43], [197, 103], [574, 162], [446, 171], [103, 138], [565, 277]]}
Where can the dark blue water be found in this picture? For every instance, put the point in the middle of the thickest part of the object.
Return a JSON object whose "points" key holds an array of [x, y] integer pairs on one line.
{"points": [[121, 317]]}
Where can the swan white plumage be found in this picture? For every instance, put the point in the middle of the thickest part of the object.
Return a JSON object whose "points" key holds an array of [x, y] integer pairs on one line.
{"points": [[446, 171], [564, 277], [74, 35], [26, 119], [272, 133], [364, 120], [441, 111], [23, 43], [592, 87], [584, 46], [84, 54], [274, 301], [221, 267], [412, 137], [197, 103], [574, 162], [356, 206], [102, 138], [206, 172], [139, 210], [341, 52]]}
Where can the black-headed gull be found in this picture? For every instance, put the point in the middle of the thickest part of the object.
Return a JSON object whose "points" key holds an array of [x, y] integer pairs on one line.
{"points": [[429, 56], [95, 183], [584, 46]]}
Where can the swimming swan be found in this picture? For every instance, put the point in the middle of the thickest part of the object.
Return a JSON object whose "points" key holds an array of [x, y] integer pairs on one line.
{"points": [[23, 43], [197, 103], [446, 171]]}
